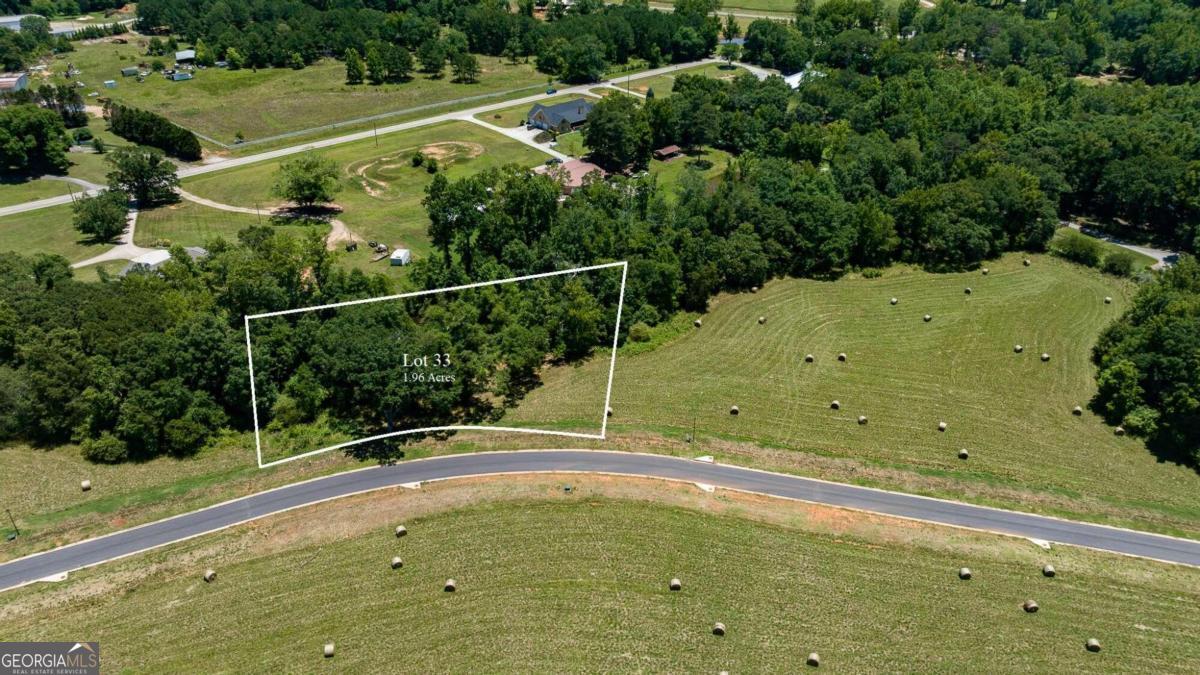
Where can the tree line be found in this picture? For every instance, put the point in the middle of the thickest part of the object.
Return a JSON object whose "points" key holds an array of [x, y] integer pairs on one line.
{"points": [[576, 43], [147, 128]]}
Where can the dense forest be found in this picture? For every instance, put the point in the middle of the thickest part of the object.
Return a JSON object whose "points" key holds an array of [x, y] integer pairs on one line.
{"points": [[155, 363]]}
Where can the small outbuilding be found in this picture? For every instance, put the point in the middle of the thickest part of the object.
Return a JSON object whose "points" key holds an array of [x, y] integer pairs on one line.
{"points": [[131, 71], [401, 257], [180, 76], [185, 56], [110, 84], [668, 152]]}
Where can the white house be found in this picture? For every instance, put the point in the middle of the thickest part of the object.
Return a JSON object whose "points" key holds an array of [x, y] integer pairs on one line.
{"points": [[809, 73]]}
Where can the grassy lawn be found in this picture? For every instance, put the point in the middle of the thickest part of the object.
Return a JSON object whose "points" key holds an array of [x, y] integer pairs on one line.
{"points": [[219, 103], [515, 116], [92, 272], [382, 192], [13, 191], [46, 231], [571, 144], [190, 224], [669, 172], [549, 581], [1011, 411], [662, 84]]}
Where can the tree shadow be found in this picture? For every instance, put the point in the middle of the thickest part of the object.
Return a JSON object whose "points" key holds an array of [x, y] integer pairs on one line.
{"points": [[317, 214]]}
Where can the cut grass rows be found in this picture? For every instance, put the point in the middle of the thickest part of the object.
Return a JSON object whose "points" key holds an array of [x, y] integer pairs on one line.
{"points": [[579, 583], [1012, 412]]}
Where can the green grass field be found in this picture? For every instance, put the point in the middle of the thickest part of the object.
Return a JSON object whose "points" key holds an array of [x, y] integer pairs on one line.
{"points": [[663, 84], [219, 103], [578, 582], [1141, 261], [48, 230], [190, 224], [1011, 411], [14, 192], [382, 192]]}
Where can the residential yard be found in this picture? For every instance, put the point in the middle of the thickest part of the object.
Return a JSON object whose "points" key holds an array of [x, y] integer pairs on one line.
{"points": [[571, 144], [14, 192], [48, 230], [663, 84], [219, 103], [1011, 411], [382, 191], [669, 172], [571, 582], [190, 224]]}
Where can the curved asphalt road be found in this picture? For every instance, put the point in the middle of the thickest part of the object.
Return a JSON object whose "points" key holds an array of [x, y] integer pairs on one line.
{"points": [[135, 540]]}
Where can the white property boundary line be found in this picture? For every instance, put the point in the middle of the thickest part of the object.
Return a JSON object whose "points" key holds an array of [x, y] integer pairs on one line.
{"points": [[624, 265]]}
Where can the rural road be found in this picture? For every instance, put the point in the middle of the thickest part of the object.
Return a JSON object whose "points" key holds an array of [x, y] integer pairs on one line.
{"points": [[1162, 257], [136, 540]]}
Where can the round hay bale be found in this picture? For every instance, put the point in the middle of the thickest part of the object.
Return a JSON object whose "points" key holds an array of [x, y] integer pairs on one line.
{"points": [[1018, 349], [862, 419], [928, 318], [964, 573], [894, 301], [1093, 645], [1048, 570], [718, 628], [808, 358], [733, 410], [762, 320], [401, 530], [397, 563], [1077, 411], [814, 659], [842, 357], [676, 584], [754, 289], [1108, 300], [210, 576], [85, 485], [835, 405], [450, 586], [963, 454], [328, 650], [941, 426], [1045, 357], [1120, 431], [1030, 606], [697, 323], [967, 290], [608, 412], [1026, 262], [984, 270]]}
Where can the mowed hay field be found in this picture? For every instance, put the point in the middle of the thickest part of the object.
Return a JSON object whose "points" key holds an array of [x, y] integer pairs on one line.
{"points": [[556, 582], [1012, 412]]}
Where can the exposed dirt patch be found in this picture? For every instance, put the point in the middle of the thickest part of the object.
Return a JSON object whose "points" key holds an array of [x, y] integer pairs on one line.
{"points": [[452, 150]]}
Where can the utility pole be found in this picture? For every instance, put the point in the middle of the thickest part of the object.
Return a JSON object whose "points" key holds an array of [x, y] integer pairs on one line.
{"points": [[375, 128]]}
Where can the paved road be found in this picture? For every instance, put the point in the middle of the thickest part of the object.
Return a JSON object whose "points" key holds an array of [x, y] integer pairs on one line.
{"points": [[1163, 258], [138, 539]]}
